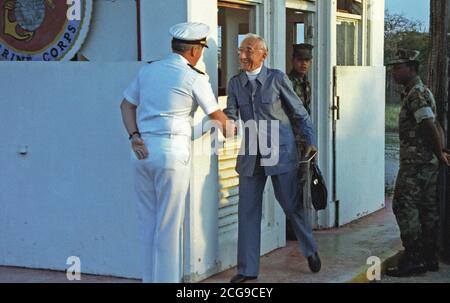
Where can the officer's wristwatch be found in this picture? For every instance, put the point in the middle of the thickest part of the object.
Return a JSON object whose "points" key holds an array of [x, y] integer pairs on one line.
{"points": [[134, 133]]}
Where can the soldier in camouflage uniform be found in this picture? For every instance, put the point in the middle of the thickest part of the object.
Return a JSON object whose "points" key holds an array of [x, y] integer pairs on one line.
{"points": [[415, 202], [301, 62]]}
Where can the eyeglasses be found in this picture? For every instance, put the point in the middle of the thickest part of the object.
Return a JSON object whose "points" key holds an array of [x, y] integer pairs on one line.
{"points": [[248, 51]]}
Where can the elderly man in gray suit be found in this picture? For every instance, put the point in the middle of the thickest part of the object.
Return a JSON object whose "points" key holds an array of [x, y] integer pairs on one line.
{"points": [[261, 96]]}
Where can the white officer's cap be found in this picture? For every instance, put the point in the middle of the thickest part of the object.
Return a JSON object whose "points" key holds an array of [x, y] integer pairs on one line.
{"points": [[190, 33]]}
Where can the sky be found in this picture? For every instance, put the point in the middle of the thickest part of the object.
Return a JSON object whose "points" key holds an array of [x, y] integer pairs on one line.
{"points": [[413, 9]]}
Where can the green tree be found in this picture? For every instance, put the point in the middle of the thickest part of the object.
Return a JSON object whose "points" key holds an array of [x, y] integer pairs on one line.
{"points": [[402, 32]]}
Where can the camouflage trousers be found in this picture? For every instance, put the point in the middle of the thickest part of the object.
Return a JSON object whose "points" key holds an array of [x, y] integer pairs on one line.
{"points": [[303, 168], [302, 179], [416, 207]]}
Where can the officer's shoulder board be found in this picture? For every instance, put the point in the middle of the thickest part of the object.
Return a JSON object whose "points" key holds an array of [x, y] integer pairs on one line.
{"points": [[196, 69]]}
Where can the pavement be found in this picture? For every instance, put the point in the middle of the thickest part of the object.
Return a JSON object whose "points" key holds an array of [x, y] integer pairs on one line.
{"points": [[26, 275], [344, 253]]}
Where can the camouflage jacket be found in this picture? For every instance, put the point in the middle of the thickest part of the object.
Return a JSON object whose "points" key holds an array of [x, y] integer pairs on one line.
{"points": [[417, 104], [302, 88]]}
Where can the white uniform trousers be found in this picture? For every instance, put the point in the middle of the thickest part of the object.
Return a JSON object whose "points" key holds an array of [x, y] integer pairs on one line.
{"points": [[161, 184]]}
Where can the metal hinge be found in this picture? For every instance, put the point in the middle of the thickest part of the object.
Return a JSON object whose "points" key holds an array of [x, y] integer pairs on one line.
{"points": [[336, 107], [336, 99]]}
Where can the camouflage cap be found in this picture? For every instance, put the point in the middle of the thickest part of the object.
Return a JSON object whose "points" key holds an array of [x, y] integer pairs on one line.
{"points": [[303, 51], [404, 56]]}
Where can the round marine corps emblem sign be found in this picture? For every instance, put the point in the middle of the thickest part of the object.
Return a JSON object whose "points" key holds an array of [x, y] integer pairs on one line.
{"points": [[42, 30]]}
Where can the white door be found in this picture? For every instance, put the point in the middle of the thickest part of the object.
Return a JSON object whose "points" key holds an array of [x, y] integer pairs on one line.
{"points": [[359, 141]]}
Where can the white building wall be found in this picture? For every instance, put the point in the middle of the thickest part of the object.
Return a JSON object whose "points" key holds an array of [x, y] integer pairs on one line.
{"points": [[112, 34], [71, 194], [156, 19]]}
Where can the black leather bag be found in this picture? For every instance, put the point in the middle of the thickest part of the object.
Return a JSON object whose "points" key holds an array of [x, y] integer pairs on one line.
{"points": [[319, 192]]}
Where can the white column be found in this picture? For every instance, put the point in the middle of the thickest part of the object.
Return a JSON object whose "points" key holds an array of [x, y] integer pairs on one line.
{"points": [[326, 60], [201, 256], [276, 30], [376, 32]]}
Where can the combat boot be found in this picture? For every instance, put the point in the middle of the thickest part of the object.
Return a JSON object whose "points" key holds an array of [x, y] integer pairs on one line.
{"points": [[410, 264], [431, 261], [430, 250]]}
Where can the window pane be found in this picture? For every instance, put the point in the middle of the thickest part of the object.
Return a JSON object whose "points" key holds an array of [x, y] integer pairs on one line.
{"points": [[300, 33], [347, 41]]}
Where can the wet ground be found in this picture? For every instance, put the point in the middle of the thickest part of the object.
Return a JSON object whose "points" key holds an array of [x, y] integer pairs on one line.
{"points": [[344, 253]]}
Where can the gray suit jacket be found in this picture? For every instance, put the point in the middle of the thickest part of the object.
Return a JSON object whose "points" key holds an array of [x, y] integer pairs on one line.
{"points": [[274, 96]]}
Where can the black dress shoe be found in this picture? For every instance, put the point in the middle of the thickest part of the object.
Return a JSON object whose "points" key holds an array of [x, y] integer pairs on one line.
{"points": [[241, 278], [314, 263]]}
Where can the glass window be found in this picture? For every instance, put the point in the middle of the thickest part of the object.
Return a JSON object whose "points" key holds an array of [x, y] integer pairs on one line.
{"points": [[347, 42], [350, 31], [300, 33]]}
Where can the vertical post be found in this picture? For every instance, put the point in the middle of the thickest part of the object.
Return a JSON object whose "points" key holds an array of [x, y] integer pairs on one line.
{"points": [[325, 62], [438, 82], [446, 201], [138, 20]]}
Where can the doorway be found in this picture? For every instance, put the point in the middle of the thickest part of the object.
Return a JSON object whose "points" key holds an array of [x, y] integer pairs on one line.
{"points": [[300, 29]]}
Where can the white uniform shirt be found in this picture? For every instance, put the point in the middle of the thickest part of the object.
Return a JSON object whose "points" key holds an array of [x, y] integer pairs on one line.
{"points": [[167, 93]]}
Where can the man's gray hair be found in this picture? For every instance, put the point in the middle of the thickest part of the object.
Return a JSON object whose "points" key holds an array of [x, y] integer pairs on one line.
{"points": [[260, 40], [180, 47]]}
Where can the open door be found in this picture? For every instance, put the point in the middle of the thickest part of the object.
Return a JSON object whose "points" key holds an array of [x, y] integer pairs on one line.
{"points": [[358, 141]]}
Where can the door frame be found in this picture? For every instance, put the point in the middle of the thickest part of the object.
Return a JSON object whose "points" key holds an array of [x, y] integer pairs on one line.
{"points": [[324, 34]]}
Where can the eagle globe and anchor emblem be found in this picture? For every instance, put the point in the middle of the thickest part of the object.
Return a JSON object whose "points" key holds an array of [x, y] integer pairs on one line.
{"points": [[40, 30], [29, 15]]}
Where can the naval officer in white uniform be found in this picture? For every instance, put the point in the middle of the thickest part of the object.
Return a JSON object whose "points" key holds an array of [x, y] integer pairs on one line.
{"points": [[157, 112]]}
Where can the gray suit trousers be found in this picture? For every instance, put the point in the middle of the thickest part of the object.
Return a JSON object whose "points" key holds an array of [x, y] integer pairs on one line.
{"points": [[250, 212]]}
